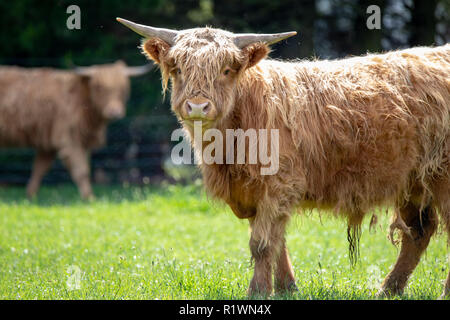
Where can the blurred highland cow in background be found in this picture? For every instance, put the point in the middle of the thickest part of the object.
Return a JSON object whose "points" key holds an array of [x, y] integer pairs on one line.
{"points": [[62, 113]]}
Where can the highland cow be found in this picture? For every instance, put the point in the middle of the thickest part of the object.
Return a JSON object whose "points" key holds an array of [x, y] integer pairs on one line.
{"points": [[355, 134], [62, 113]]}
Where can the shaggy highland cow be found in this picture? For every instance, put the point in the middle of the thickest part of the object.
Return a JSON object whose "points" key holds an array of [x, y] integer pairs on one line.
{"points": [[354, 134], [62, 113]]}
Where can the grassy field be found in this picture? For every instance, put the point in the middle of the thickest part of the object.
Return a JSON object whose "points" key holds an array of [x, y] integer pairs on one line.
{"points": [[173, 243]]}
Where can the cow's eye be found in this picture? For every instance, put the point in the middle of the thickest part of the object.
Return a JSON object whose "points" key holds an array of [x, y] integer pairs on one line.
{"points": [[227, 71], [176, 71]]}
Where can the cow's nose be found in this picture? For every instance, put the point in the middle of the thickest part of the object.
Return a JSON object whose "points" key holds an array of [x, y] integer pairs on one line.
{"points": [[115, 113], [199, 110]]}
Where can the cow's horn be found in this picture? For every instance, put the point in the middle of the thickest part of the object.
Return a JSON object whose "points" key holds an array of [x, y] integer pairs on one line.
{"points": [[84, 71], [243, 39], [139, 70], [151, 32]]}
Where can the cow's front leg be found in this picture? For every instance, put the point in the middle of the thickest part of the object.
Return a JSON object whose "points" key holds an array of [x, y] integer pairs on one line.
{"points": [[284, 274], [42, 162], [76, 161], [265, 244]]}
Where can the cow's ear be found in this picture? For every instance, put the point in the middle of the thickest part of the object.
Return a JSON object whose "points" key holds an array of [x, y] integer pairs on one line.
{"points": [[254, 53], [155, 49]]}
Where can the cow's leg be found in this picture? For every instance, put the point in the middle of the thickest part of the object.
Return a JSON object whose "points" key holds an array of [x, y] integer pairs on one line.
{"points": [[446, 293], [76, 161], [284, 274], [441, 200], [265, 242], [446, 217], [421, 225], [42, 162]]}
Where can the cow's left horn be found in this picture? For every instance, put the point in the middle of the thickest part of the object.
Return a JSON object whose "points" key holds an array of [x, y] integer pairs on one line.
{"points": [[137, 71], [84, 71], [243, 39], [167, 35]]}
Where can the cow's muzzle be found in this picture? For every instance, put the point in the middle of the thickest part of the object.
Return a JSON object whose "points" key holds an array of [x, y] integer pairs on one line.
{"points": [[114, 112], [198, 109]]}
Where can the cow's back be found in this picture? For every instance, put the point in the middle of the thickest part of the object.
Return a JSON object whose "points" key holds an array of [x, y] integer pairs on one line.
{"points": [[362, 127], [37, 104]]}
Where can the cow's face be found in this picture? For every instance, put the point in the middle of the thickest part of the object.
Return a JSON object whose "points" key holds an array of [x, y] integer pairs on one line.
{"points": [[204, 66], [109, 87]]}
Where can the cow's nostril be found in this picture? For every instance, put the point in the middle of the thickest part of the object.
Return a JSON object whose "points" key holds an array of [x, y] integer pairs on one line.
{"points": [[188, 107], [206, 108]]}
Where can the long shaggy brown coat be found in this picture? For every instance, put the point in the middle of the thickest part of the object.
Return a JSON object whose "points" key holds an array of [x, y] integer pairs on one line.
{"points": [[356, 133]]}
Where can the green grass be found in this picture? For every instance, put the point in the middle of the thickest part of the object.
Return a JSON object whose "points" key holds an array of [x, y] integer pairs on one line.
{"points": [[173, 243]]}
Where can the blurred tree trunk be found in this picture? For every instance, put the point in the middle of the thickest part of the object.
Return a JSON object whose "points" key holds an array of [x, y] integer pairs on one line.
{"points": [[423, 22]]}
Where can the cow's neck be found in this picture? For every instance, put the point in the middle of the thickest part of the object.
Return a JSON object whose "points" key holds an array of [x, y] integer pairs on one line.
{"points": [[227, 181], [92, 127]]}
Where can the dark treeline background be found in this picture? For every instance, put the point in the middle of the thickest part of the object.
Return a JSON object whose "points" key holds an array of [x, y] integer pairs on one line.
{"points": [[33, 33]]}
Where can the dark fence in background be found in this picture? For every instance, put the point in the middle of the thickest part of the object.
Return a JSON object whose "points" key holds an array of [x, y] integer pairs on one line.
{"points": [[135, 151]]}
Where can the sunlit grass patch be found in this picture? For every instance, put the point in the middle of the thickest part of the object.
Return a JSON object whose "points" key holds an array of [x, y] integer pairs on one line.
{"points": [[172, 242]]}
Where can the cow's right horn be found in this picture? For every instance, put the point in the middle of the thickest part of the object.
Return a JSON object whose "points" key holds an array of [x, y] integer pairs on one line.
{"points": [[84, 71], [243, 39], [167, 35], [140, 70]]}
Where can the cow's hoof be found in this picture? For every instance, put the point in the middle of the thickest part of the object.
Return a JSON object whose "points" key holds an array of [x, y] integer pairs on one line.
{"points": [[445, 295], [382, 294], [289, 288], [386, 293], [31, 196], [31, 193], [255, 292], [88, 198]]}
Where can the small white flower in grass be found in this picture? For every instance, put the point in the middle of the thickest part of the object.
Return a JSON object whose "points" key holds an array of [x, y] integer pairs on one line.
{"points": [[374, 279], [25, 251], [73, 278]]}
